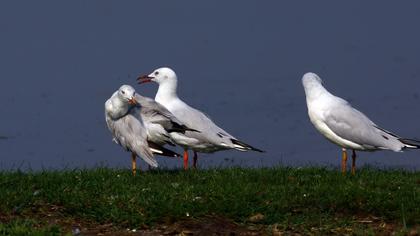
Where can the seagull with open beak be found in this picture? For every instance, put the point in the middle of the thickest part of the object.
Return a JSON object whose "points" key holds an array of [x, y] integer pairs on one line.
{"points": [[210, 138]]}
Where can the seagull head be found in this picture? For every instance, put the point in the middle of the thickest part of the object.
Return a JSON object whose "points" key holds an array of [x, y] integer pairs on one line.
{"points": [[313, 86], [160, 76], [311, 80], [127, 94]]}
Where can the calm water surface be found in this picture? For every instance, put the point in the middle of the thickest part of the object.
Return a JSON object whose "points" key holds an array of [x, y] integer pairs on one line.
{"points": [[239, 61]]}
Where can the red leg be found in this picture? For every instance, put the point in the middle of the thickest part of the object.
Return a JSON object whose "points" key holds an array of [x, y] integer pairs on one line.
{"points": [[185, 159], [195, 160]]}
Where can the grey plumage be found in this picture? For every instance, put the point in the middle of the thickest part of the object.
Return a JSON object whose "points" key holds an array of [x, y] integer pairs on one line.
{"points": [[127, 130], [211, 137], [159, 122], [351, 124]]}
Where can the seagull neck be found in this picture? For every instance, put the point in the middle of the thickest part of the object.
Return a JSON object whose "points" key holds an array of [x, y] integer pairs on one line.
{"points": [[119, 108], [166, 92]]}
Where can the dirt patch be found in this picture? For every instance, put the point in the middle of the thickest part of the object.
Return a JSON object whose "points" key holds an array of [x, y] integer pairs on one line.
{"points": [[209, 225], [48, 215]]}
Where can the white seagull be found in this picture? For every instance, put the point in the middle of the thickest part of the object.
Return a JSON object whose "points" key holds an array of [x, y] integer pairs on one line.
{"points": [[122, 115], [210, 137], [345, 126]]}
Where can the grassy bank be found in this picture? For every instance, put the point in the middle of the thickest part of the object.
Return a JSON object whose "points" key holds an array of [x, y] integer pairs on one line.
{"points": [[308, 200]]}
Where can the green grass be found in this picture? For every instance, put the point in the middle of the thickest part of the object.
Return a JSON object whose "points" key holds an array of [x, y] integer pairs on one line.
{"points": [[27, 227], [290, 198]]}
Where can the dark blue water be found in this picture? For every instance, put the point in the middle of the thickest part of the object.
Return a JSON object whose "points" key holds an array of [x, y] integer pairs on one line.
{"points": [[239, 61]]}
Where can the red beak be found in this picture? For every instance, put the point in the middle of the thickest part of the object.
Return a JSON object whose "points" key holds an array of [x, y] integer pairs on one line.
{"points": [[144, 79], [133, 101]]}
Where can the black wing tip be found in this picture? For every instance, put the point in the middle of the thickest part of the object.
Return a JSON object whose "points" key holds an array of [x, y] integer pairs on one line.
{"points": [[165, 152], [168, 153], [170, 143], [410, 143], [258, 150], [246, 146]]}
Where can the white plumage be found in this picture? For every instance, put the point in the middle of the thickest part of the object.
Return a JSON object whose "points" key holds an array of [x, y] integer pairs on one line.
{"points": [[345, 126], [210, 137]]}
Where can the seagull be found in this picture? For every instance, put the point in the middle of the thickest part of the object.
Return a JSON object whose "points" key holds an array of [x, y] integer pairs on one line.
{"points": [[210, 138], [347, 127], [122, 115]]}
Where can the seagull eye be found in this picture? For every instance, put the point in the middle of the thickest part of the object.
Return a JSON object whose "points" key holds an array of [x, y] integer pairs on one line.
{"points": [[122, 91], [156, 72]]}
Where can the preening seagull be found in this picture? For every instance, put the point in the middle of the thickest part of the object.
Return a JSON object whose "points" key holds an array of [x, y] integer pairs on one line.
{"points": [[122, 115], [345, 126], [210, 137]]}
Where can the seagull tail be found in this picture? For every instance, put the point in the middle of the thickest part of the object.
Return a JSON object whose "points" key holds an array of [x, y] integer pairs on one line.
{"points": [[410, 143], [147, 156], [241, 146], [159, 150]]}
